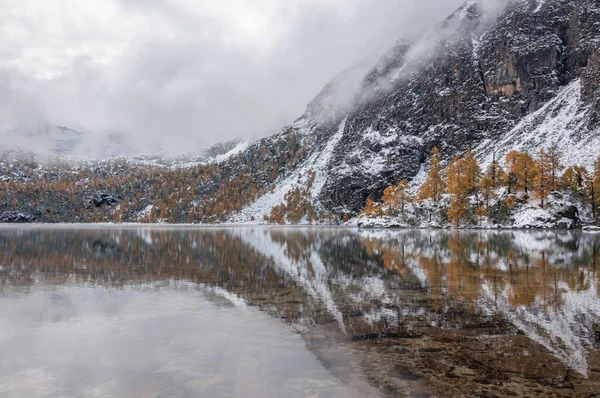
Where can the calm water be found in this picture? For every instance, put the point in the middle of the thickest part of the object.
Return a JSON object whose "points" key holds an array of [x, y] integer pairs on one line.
{"points": [[261, 312]]}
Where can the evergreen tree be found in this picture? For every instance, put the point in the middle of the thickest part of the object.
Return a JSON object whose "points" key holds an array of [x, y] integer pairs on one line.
{"points": [[544, 182], [434, 186], [574, 178], [555, 161], [456, 185], [493, 179]]}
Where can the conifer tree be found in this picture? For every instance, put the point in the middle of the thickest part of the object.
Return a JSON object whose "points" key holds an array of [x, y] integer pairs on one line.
{"points": [[369, 209], [455, 182], [434, 186], [574, 178], [471, 172], [544, 182], [555, 160], [521, 169], [480, 213], [593, 188], [493, 179], [511, 178], [398, 196]]}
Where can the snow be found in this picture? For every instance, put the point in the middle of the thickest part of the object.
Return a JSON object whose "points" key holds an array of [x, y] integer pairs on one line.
{"points": [[533, 218], [147, 210], [241, 147], [318, 162], [561, 121], [540, 5]]}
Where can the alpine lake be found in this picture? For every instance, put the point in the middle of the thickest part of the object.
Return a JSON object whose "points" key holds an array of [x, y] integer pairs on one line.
{"points": [[143, 311]]}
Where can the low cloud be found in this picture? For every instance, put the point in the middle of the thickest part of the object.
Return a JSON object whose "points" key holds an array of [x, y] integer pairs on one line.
{"points": [[176, 74]]}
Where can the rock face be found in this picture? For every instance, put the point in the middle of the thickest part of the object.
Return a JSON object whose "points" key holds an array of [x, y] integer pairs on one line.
{"points": [[494, 76], [14, 217], [469, 83], [102, 198]]}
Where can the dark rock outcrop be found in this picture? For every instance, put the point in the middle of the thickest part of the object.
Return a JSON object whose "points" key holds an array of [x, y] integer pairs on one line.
{"points": [[15, 217], [100, 199], [474, 78]]}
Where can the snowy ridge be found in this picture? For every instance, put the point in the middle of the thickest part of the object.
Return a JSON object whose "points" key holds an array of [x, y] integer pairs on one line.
{"points": [[241, 147], [561, 121], [318, 162]]}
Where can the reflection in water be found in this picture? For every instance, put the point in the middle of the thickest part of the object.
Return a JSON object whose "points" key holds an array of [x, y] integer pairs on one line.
{"points": [[383, 312]]}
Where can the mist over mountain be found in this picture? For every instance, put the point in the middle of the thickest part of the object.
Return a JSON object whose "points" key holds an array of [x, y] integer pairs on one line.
{"points": [[170, 74], [487, 78]]}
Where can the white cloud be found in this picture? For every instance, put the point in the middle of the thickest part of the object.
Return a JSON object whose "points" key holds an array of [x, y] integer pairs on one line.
{"points": [[181, 72]]}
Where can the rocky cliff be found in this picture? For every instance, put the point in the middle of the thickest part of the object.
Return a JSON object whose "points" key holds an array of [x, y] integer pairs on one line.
{"points": [[492, 78]]}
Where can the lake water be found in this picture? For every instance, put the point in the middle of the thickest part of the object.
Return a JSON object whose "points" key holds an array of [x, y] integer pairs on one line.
{"points": [[297, 312]]}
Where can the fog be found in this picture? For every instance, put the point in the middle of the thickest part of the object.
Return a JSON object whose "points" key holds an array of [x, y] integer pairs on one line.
{"points": [[178, 74]]}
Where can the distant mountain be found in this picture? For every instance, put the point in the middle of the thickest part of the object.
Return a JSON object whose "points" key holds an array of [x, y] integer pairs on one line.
{"points": [[63, 141], [69, 144]]}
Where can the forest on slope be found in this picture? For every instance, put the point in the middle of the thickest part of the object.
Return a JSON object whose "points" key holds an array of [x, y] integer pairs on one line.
{"points": [[483, 81]]}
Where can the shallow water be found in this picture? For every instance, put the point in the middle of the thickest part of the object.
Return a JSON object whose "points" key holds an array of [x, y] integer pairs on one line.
{"points": [[298, 312]]}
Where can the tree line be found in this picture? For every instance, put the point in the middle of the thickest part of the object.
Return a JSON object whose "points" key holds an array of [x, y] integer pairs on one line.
{"points": [[470, 191]]}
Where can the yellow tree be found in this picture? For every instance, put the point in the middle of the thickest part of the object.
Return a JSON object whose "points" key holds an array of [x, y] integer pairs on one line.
{"points": [[480, 213], [544, 182], [492, 179], [403, 194], [521, 169], [471, 173], [593, 189], [574, 178], [455, 182], [434, 186], [389, 198], [369, 209]]}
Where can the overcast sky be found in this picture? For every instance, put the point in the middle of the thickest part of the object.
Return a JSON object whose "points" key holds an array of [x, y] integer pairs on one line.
{"points": [[181, 72]]}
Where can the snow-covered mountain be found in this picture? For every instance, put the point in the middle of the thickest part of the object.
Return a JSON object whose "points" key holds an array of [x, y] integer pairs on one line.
{"points": [[98, 147], [493, 76], [48, 139], [518, 77]]}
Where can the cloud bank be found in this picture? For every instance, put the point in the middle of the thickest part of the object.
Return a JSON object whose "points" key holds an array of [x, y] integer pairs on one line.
{"points": [[177, 74]]}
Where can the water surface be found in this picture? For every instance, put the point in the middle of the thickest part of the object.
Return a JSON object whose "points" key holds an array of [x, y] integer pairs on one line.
{"points": [[254, 312]]}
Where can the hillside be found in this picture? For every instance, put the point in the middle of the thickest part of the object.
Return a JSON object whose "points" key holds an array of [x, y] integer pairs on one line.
{"points": [[522, 76]]}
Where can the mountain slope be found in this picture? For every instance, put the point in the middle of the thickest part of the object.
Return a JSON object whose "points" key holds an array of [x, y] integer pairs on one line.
{"points": [[493, 76], [519, 77]]}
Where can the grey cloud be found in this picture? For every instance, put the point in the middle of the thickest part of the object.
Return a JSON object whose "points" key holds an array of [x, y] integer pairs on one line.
{"points": [[182, 82]]}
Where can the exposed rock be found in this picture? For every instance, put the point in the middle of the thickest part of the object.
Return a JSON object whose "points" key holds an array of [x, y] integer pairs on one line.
{"points": [[520, 77], [14, 217], [102, 198], [569, 213]]}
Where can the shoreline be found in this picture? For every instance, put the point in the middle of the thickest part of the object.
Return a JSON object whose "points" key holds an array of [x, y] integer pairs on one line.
{"points": [[586, 228]]}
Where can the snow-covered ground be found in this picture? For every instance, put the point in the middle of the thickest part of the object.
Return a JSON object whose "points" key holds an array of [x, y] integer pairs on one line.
{"points": [[561, 121], [317, 162]]}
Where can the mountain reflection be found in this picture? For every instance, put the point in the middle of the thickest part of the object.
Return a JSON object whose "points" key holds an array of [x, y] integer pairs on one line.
{"points": [[367, 283]]}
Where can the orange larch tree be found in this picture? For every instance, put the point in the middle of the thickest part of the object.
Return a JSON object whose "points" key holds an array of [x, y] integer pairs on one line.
{"points": [[455, 182], [434, 185], [543, 182]]}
